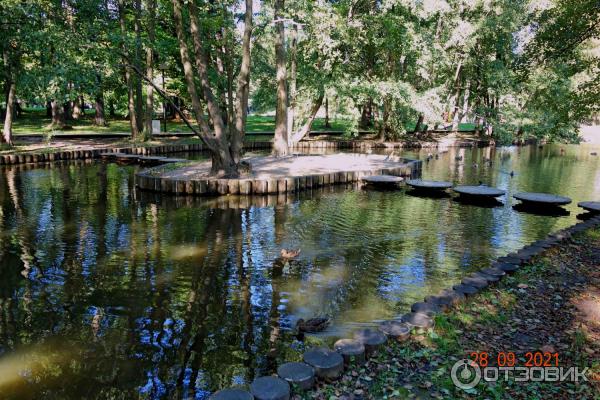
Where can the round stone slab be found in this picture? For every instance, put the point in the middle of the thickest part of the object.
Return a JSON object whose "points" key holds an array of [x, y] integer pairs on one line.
{"points": [[270, 388], [297, 374], [353, 351], [418, 320], [371, 338], [428, 185], [465, 289], [493, 272], [542, 198], [506, 267], [510, 260], [429, 308], [476, 282], [486, 277], [592, 206], [383, 180], [395, 329], [479, 191], [327, 364], [231, 394], [446, 297]]}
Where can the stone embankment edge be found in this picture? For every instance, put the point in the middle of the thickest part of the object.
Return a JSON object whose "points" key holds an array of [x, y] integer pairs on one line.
{"points": [[36, 157], [145, 180]]}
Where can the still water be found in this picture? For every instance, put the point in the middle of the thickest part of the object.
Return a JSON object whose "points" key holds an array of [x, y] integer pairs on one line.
{"points": [[106, 292]]}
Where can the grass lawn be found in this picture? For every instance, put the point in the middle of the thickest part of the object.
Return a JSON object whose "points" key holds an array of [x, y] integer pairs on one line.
{"points": [[35, 121]]}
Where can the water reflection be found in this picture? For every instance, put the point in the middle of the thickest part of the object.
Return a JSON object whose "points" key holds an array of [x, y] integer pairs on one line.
{"points": [[107, 291]]}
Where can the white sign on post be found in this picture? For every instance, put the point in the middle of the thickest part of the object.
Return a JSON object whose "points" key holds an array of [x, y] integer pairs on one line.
{"points": [[155, 126]]}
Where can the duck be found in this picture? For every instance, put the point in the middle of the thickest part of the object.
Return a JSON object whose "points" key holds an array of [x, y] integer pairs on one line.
{"points": [[593, 153], [289, 254], [458, 158], [512, 173], [312, 325]]}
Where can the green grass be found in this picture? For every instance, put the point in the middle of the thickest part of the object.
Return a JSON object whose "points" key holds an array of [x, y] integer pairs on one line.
{"points": [[35, 121]]}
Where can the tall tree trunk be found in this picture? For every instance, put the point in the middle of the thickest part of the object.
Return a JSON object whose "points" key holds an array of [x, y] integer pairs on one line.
{"points": [[58, 115], [293, 75], [419, 124], [465, 107], [133, 117], [99, 119], [280, 145], [78, 107], [151, 10], [366, 115], [243, 89], [139, 99], [8, 118]]}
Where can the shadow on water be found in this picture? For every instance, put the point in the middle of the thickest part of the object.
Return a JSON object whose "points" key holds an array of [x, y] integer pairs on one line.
{"points": [[158, 297], [428, 194], [546, 211], [485, 202]]}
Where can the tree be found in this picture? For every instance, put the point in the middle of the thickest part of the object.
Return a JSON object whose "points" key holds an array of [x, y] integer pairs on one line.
{"points": [[281, 141], [225, 153]]}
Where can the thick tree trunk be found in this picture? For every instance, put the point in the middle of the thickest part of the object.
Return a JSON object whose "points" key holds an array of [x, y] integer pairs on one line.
{"points": [[280, 145], [8, 118], [243, 89], [58, 115], [419, 124], [99, 119], [67, 111], [366, 115], [133, 117], [151, 10], [78, 107], [293, 76]]}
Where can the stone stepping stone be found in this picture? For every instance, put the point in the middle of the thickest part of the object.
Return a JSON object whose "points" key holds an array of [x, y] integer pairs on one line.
{"points": [[383, 180], [506, 267], [465, 289], [479, 191], [478, 283], [418, 320], [270, 388], [446, 297], [493, 272], [542, 199], [327, 364], [395, 329], [298, 375], [425, 307], [510, 260], [486, 277], [591, 206], [372, 339], [231, 394], [352, 350], [421, 184]]}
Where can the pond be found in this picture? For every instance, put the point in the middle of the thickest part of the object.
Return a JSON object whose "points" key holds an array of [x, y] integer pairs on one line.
{"points": [[106, 292]]}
